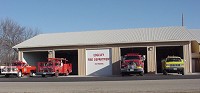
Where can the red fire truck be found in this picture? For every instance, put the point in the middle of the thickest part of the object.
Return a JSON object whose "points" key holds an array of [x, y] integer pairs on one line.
{"points": [[54, 67], [19, 69], [132, 63]]}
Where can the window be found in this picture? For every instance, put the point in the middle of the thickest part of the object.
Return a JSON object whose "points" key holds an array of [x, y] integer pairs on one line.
{"points": [[173, 59], [132, 58]]}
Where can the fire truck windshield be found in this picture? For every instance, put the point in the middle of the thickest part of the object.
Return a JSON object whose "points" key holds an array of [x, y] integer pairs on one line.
{"points": [[17, 64], [132, 58], [173, 59]]}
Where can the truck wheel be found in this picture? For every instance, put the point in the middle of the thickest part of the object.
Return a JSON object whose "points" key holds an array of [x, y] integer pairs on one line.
{"points": [[67, 73], [57, 74], [141, 73], [122, 74], [31, 74], [43, 75], [7, 75], [182, 72], [19, 75], [164, 72]]}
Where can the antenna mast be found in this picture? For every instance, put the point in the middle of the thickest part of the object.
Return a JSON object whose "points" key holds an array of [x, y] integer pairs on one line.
{"points": [[182, 20]]}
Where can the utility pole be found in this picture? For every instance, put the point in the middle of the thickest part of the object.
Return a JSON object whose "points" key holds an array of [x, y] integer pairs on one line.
{"points": [[182, 20]]}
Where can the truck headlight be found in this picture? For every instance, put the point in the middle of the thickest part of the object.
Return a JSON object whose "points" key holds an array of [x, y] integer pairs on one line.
{"points": [[16, 69], [3, 70], [167, 65]]}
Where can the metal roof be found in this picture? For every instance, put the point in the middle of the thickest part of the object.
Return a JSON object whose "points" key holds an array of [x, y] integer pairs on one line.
{"points": [[196, 34], [101, 37]]}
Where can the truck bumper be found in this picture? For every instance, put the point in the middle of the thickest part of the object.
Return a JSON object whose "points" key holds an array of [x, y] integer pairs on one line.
{"points": [[174, 69], [45, 73], [9, 73], [132, 71]]}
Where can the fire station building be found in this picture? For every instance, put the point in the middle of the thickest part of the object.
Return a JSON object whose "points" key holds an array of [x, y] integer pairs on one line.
{"points": [[98, 53]]}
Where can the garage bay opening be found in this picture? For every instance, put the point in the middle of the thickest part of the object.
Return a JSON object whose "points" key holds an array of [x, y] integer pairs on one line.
{"points": [[136, 50], [71, 56], [163, 52], [33, 57]]}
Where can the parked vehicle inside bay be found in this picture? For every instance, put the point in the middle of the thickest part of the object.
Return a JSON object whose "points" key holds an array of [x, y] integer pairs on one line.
{"points": [[132, 63], [173, 64], [54, 67], [18, 68]]}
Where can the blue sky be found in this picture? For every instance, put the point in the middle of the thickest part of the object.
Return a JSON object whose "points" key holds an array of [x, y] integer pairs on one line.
{"points": [[52, 16]]}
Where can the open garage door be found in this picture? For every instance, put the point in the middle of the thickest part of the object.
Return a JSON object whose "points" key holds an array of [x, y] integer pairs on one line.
{"points": [[139, 50], [33, 57], [163, 52], [71, 56]]}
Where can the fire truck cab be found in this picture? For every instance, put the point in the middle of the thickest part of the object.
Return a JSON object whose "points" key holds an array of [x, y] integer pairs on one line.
{"points": [[132, 63], [19, 69], [173, 64], [54, 67]]}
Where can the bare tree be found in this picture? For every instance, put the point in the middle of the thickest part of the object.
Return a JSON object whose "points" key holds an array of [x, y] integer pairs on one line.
{"points": [[11, 33]]}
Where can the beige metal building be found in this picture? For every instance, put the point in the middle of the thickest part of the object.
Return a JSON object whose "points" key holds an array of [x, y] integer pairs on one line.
{"points": [[80, 47], [195, 50]]}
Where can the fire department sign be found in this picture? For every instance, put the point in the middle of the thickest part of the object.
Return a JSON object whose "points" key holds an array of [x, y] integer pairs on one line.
{"points": [[98, 62]]}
